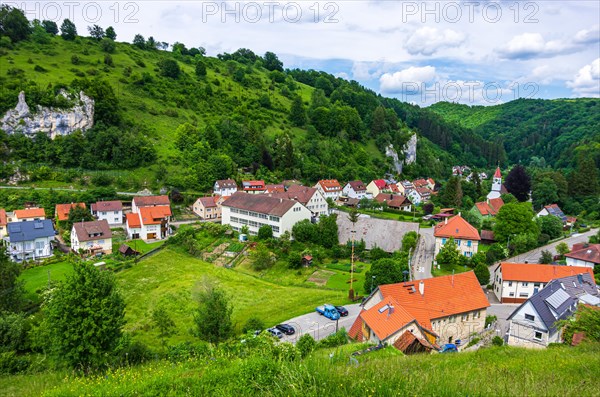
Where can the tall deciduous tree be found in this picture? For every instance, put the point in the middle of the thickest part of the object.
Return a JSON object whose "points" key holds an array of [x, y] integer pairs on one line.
{"points": [[96, 32], [78, 214], [452, 193], [328, 231], [518, 182], [544, 192], [110, 33], [51, 27], [11, 289], [583, 180], [272, 62], [297, 112], [213, 315], [482, 272], [14, 23], [514, 218], [449, 254], [84, 317], [386, 271], [68, 30]]}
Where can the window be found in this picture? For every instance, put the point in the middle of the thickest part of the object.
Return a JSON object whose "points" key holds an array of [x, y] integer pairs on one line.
{"points": [[523, 294], [458, 243], [116, 212], [464, 317], [536, 285], [510, 283], [511, 294], [451, 319], [537, 335], [530, 317], [469, 243], [443, 241], [39, 245], [100, 241], [524, 284]]}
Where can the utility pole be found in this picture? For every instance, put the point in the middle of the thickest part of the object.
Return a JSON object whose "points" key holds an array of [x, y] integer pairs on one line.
{"points": [[410, 270]]}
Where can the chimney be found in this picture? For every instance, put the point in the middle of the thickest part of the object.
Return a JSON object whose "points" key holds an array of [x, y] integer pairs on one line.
{"points": [[446, 221], [421, 288], [390, 310]]}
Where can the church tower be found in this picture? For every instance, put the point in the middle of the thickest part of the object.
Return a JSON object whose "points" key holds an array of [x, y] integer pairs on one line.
{"points": [[496, 185]]}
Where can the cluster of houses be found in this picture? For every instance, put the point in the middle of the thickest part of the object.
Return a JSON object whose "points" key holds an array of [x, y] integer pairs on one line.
{"points": [[423, 315], [396, 195], [28, 235]]}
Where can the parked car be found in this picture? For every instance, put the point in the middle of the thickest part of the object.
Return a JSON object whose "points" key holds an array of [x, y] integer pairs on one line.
{"points": [[275, 332], [328, 311], [449, 348], [286, 329], [342, 311]]}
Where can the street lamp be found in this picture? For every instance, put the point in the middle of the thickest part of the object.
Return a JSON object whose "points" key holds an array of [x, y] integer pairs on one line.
{"points": [[372, 281]]}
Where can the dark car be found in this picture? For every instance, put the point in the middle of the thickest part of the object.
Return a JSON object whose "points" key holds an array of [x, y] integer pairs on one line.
{"points": [[275, 332], [286, 329], [342, 311]]}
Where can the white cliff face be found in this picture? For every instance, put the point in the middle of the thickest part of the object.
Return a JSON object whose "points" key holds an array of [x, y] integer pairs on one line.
{"points": [[409, 151], [51, 121]]}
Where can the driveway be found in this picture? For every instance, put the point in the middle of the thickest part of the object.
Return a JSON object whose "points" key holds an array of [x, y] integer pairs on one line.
{"points": [[502, 311], [319, 326], [533, 256], [383, 233], [423, 256]]}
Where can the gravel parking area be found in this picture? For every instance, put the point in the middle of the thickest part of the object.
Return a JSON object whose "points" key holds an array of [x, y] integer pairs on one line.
{"points": [[383, 233]]}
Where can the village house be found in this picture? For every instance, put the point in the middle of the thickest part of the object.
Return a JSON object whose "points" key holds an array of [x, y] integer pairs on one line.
{"points": [[405, 187], [61, 211], [419, 195], [93, 237], [254, 211], [208, 207], [254, 187], [110, 211], [310, 197], [584, 255], [274, 188], [30, 240], [329, 188], [516, 282], [355, 189], [28, 214], [376, 187], [533, 323], [554, 210], [150, 217], [3, 223], [488, 208], [395, 202], [465, 236], [419, 316], [225, 187]]}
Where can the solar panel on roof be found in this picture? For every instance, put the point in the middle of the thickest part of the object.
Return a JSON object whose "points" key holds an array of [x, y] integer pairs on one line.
{"points": [[16, 228], [38, 225], [558, 298]]}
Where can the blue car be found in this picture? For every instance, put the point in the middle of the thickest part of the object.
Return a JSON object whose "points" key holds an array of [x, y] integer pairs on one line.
{"points": [[449, 348]]}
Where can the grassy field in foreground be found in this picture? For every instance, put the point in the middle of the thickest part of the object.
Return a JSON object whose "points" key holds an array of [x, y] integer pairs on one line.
{"points": [[170, 278], [36, 278], [499, 371]]}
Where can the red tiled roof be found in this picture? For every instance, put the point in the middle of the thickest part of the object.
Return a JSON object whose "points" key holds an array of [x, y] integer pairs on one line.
{"points": [[94, 230], [420, 183], [330, 185], [146, 201], [261, 203], [208, 202], [278, 188], [384, 324], [496, 203], [3, 221], [356, 330], [394, 188], [407, 339], [133, 220], [30, 213], [302, 194], [154, 215], [488, 235], [442, 296], [393, 201], [380, 183], [456, 227], [357, 186], [251, 186], [484, 208], [62, 210], [114, 205], [591, 253], [497, 174], [539, 273]]}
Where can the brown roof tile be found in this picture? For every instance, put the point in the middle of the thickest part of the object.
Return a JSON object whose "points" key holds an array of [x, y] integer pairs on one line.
{"points": [[456, 227], [94, 230], [114, 205], [591, 253], [261, 203], [147, 201]]}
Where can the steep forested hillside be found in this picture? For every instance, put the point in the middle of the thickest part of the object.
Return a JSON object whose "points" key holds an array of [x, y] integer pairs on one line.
{"points": [[181, 119], [551, 129]]}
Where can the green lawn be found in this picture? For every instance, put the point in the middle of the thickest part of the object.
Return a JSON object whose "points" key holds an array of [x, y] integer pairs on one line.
{"points": [[37, 277], [171, 277], [142, 246], [446, 270]]}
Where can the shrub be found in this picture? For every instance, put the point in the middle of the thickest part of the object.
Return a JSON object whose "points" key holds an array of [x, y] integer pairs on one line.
{"points": [[489, 320], [473, 341], [75, 60], [253, 324], [497, 341], [334, 340], [306, 344], [11, 363]]}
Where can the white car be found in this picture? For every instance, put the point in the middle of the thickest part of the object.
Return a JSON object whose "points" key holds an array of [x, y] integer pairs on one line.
{"points": [[275, 332]]}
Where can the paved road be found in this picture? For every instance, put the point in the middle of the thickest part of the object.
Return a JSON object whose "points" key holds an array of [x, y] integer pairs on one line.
{"points": [[423, 257], [383, 233], [534, 255], [319, 326], [501, 311], [59, 189]]}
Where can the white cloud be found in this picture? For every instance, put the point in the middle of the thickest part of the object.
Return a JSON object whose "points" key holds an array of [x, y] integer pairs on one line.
{"points": [[587, 81], [427, 40], [409, 79], [588, 36]]}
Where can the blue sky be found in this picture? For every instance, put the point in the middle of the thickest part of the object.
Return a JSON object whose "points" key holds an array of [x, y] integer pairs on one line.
{"points": [[474, 52]]}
